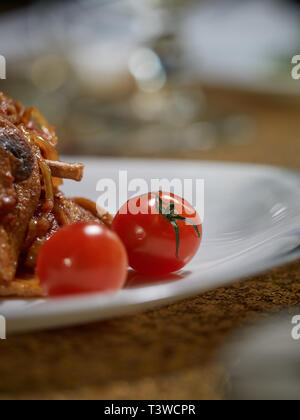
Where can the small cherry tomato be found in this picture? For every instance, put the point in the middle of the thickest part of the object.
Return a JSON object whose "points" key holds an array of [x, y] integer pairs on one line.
{"points": [[82, 258], [161, 233]]}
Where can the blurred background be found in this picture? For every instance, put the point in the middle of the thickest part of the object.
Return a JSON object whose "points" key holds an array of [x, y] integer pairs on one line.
{"points": [[188, 79], [159, 78]]}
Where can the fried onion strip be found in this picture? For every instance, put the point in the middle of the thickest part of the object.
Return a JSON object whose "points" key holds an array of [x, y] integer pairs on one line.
{"points": [[97, 211], [66, 170], [35, 114], [46, 172]]}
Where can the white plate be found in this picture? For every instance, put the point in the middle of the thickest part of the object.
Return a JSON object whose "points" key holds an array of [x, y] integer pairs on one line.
{"points": [[252, 223]]}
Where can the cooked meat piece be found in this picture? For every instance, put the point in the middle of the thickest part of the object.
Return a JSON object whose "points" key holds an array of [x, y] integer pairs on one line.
{"points": [[23, 287], [41, 227], [31, 206], [66, 212], [14, 225], [97, 211]]}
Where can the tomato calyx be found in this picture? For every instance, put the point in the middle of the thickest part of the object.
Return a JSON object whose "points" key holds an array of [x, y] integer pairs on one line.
{"points": [[169, 213]]}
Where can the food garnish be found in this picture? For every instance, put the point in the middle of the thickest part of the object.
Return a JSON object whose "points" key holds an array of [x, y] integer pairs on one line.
{"points": [[161, 232], [82, 258]]}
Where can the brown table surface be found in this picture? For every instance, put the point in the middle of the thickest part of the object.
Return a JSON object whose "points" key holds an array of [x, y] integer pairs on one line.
{"points": [[168, 353]]}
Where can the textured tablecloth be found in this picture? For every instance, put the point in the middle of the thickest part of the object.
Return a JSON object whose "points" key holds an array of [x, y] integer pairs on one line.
{"points": [[172, 352]]}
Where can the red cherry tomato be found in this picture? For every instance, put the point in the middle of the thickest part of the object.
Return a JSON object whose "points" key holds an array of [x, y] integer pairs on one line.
{"points": [[161, 233], [82, 258]]}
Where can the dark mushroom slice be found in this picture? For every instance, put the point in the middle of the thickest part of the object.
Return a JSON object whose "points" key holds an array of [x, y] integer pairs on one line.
{"points": [[8, 195], [16, 163], [16, 145]]}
